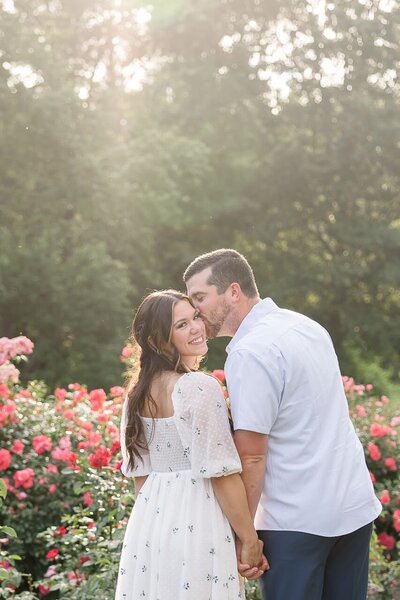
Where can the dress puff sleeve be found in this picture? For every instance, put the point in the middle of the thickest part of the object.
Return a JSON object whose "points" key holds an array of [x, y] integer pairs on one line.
{"points": [[140, 468], [201, 417]]}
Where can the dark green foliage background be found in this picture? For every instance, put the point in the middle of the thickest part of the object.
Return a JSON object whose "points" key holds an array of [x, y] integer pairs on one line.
{"points": [[104, 198]]}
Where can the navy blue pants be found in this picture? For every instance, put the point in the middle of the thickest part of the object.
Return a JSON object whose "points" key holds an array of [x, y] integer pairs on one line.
{"points": [[312, 567]]}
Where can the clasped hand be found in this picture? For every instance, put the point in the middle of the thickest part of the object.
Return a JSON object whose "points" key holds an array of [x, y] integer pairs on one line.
{"points": [[251, 561]]}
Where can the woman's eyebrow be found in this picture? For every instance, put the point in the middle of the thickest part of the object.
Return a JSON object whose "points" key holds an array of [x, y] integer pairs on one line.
{"points": [[185, 318]]}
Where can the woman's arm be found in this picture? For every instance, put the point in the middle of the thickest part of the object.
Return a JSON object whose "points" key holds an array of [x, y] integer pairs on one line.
{"points": [[231, 495], [139, 482]]}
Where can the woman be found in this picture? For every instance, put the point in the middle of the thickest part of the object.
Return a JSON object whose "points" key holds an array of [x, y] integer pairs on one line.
{"points": [[176, 442]]}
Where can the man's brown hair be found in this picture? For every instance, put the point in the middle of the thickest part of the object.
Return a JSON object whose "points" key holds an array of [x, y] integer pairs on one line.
{"points": [[227, 266]]}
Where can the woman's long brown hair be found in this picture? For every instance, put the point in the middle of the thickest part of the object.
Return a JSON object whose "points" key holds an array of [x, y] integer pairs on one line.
{"points": [[151, 330]]}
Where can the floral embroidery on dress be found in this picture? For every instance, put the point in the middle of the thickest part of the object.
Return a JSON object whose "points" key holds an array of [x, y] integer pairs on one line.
{"points": [[185, 451]]}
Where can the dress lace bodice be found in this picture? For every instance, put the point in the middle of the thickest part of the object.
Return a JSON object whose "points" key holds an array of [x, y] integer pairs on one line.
{"points": [[165, 446], [196, 437]]}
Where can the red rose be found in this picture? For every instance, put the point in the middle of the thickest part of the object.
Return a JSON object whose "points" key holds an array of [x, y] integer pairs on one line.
{"points": [[115, 446], [52, 553], [44, 589], [219, 374], [101, 458], [87, 499], [386, 540], [5, 459]]}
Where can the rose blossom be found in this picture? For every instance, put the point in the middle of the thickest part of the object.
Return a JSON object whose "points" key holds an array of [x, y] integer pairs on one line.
{"points": [[386, 540], [52, 553], [396, 520], [219, 374], [24, 478], [97, 399], [5, 459], [41, 443], [385, 497], [117, 390], [60, 394], [87, 499], [100, 458], [374, 451], [361, 410], [391, 463], [18, 447], [9, 372]]}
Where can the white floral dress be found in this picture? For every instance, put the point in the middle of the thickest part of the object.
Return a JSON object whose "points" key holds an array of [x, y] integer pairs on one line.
{"points": [[178, 543]]}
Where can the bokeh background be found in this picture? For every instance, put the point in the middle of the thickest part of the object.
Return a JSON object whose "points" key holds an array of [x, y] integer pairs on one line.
{"points": [[135, 136]]}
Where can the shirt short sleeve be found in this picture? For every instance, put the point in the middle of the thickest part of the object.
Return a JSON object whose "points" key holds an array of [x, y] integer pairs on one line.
{"points": [[255, 386], [142, 467], [203, 425]]}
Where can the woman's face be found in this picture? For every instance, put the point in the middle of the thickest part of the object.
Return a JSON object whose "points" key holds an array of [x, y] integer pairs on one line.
{"points": [[188, 332]]}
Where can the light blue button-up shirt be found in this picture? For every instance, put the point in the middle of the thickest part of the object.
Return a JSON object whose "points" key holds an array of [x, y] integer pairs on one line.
{"points": [[284, 381]]}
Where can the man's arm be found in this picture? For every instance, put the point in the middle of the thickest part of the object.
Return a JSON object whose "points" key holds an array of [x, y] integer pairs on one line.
{"points": [[252, 449]]}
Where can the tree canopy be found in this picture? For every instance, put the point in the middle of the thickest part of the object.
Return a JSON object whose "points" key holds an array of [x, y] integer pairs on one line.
{"points": [[134, 137]]}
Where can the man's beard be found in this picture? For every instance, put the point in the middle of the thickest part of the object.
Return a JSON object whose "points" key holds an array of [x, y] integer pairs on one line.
{"points": [[216, 320], [212, 329]]}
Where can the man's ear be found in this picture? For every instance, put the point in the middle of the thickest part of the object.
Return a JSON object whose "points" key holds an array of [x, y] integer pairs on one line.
{"points": [[235, 292]]}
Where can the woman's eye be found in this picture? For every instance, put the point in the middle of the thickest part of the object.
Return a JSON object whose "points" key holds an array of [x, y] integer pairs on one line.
{"points": [[181, 325], [197, 316]]}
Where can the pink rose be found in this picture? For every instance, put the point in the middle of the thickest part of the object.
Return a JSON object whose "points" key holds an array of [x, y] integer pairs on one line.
{"points": [[117, 390], [97, 399], [361, 410], [5, 459], [391, 463], [41, 443], [387, 540], [374, 451], [24, 478], [385, 497], [219, 374], [396, 520], [87, 499], [18, 447], [60, 394]]}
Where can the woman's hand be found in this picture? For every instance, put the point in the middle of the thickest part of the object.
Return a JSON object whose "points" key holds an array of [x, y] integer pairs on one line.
{"points": [[252, 550]]}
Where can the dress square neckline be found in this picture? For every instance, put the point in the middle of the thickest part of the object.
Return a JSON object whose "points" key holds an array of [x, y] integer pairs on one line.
{"points": [[172, 394]]}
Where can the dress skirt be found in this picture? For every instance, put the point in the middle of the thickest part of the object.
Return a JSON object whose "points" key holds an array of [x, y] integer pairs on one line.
{"points": [[178, 543]]}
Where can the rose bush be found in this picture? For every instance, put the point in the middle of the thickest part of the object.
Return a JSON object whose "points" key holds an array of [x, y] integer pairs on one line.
{"points": [[68, 503]]}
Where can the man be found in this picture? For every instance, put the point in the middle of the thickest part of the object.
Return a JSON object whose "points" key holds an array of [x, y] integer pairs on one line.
{"points": [[304, 470]]}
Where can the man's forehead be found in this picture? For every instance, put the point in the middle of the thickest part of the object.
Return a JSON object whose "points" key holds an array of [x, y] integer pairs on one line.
{"points": [[199, 282]]}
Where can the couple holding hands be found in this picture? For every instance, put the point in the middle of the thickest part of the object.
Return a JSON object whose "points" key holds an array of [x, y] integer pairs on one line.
{"points": [[281, 493]]}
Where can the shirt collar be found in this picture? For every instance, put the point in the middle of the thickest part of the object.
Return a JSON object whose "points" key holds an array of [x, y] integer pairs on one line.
{"points": [[258, 311]]}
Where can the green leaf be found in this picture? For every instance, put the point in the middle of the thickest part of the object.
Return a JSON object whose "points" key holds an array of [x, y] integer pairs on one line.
{"points": [[8, 531], [3, 489]]}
